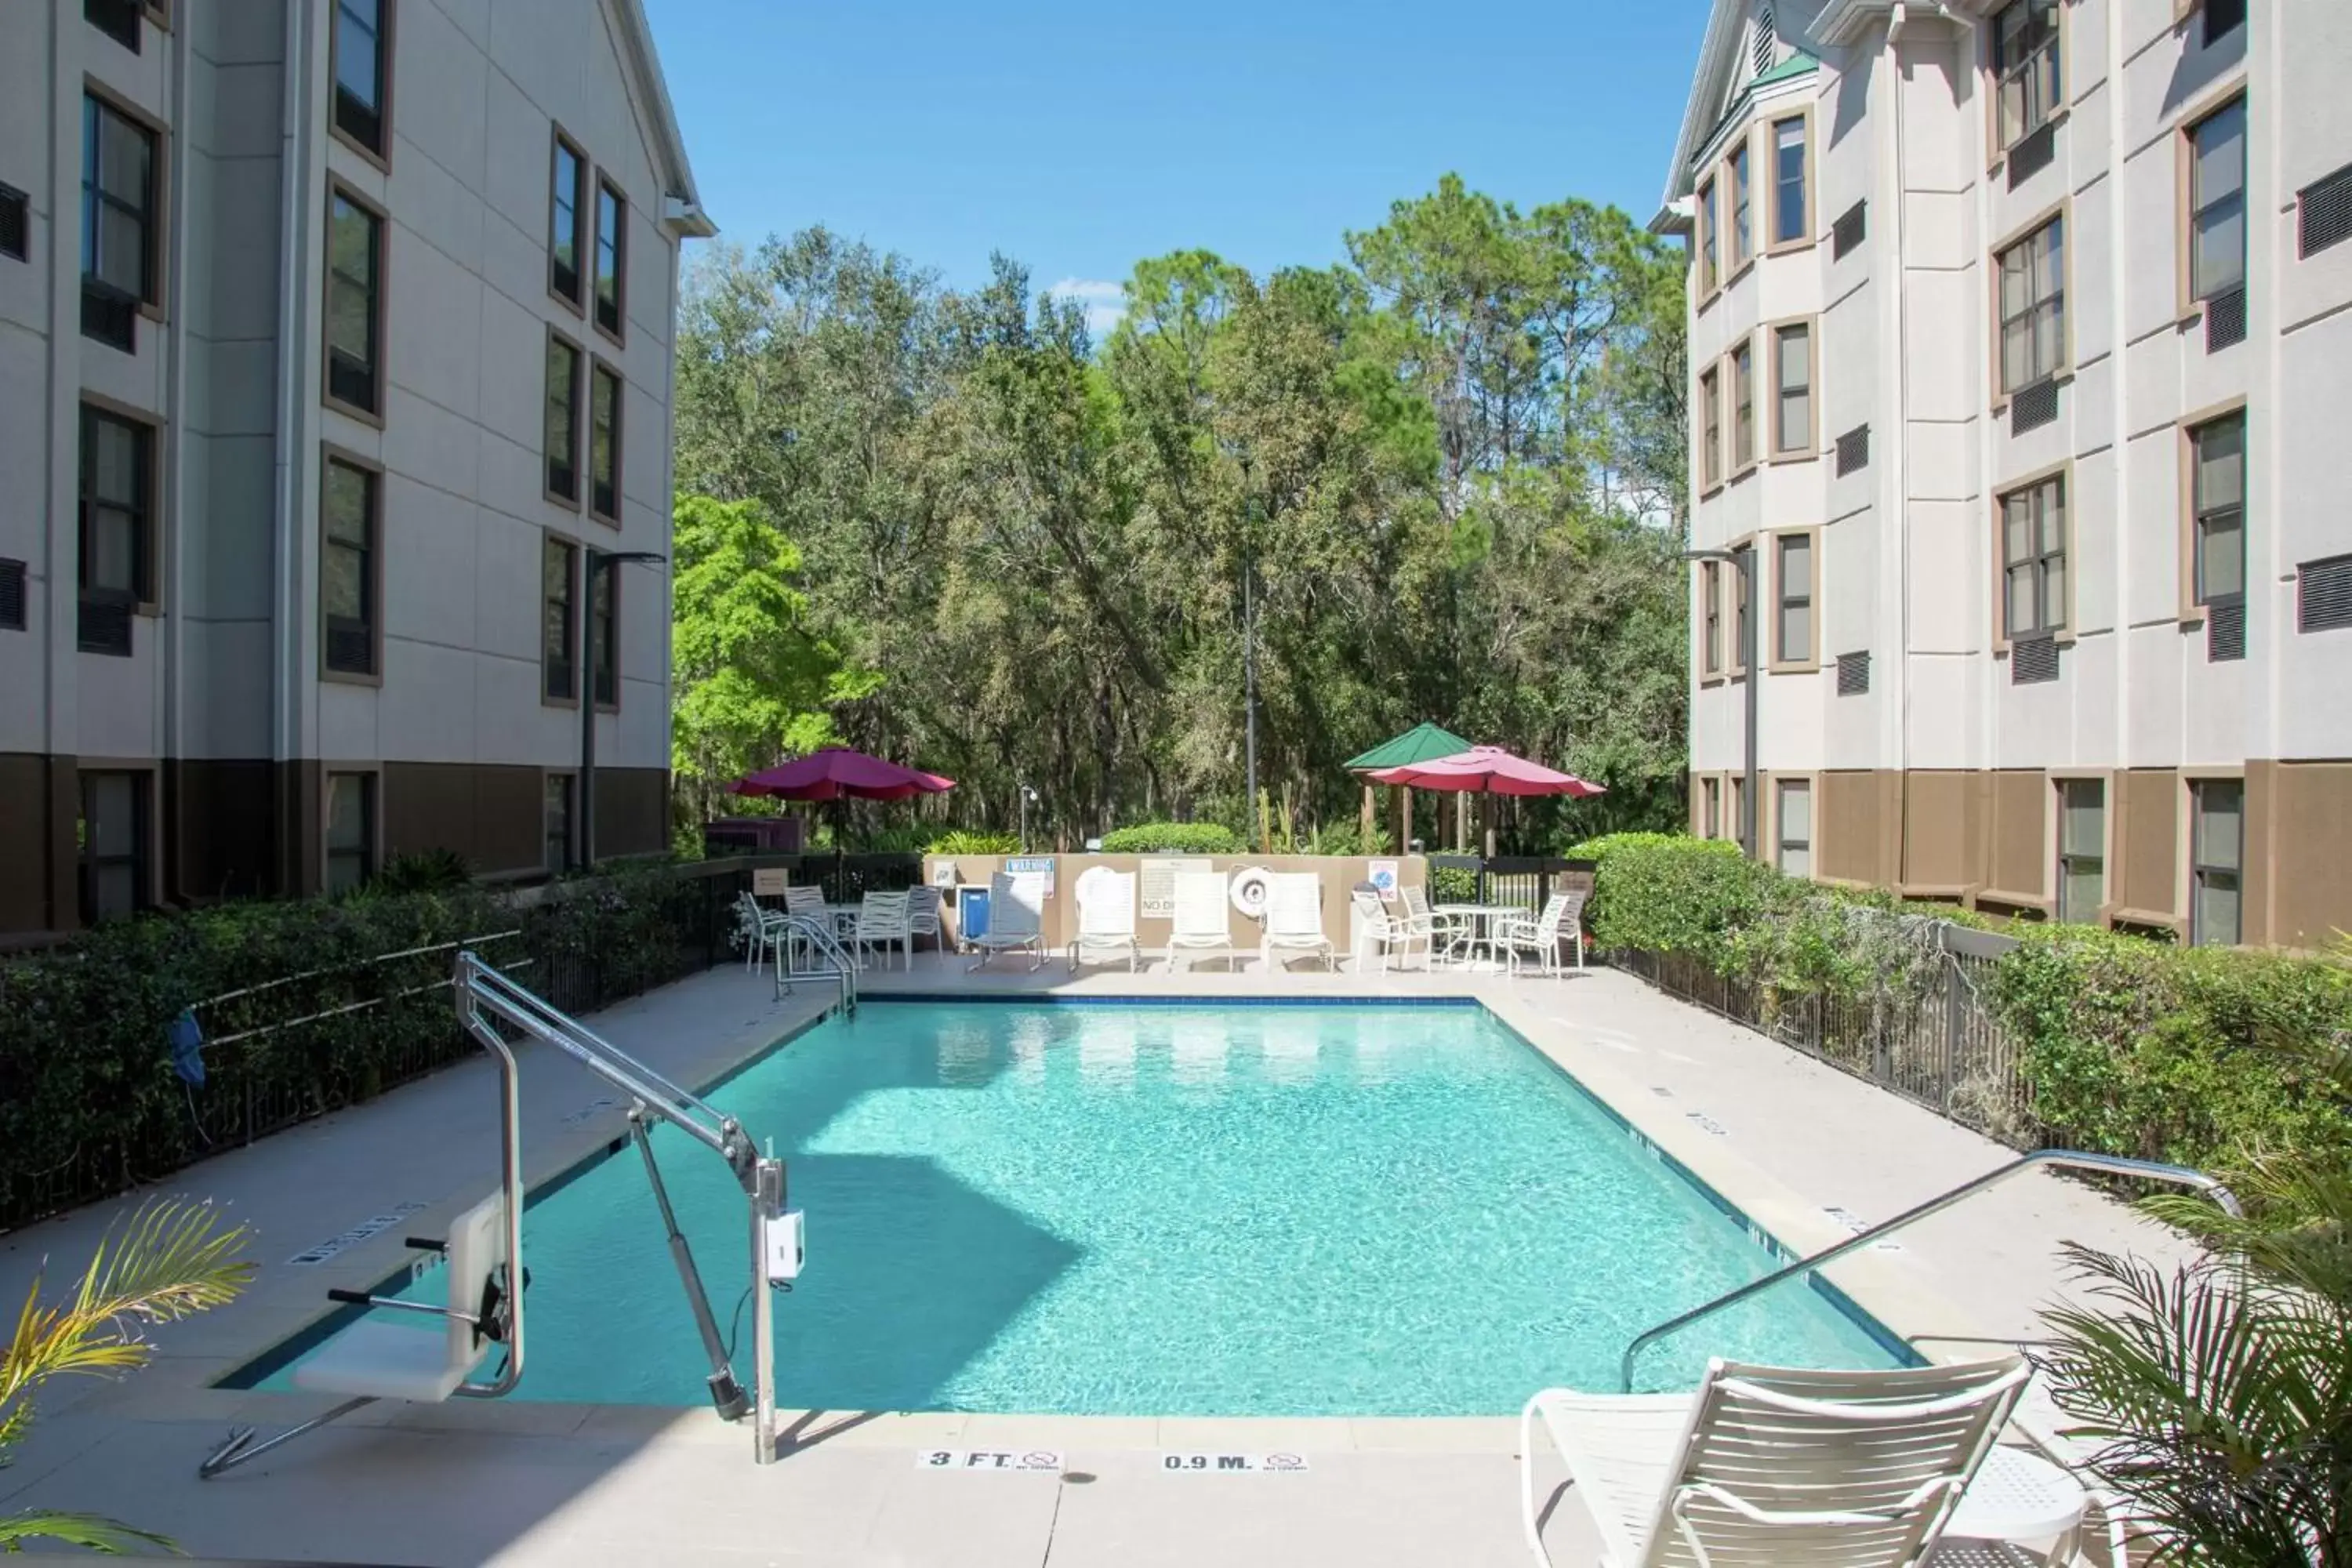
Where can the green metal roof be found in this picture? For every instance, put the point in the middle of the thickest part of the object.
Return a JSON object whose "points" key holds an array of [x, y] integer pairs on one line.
{"points": [[1418, 744], [1799, 63]]}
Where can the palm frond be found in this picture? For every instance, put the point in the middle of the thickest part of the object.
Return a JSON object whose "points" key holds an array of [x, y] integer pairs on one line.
{"points": [[87, 1531]]}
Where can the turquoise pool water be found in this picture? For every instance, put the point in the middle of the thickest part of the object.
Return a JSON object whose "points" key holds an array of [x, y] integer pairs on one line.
{"points": [[1127, 1209]]}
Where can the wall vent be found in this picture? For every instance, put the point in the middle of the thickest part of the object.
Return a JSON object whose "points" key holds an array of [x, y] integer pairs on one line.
{"points": [[105, 626], [2032, 660], [1854, 674], [2324, 212], [12, 596], [1854, 450], [1847, 233], [2225, 629], [2323, 594], [2033, 408], [2034, 153], [15, 222], [2225, 319]]}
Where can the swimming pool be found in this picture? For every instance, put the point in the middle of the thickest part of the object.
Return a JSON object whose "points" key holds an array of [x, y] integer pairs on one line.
{"points": [[1122, 1208]]}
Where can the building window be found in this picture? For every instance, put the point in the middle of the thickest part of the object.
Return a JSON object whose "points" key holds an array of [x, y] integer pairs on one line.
{"points": [[117, 222], [558, 635], [2033, 308], [1735, 791], [1795, 834], [1710, 397], [1793, 573], [347, 591], [2216, 810], [114, 844], [350, 830], [612, 254], [2025, 59], [359, 72], [1710, 593], [558, 822], [1741, 244], [1743, 407], [2217, 487], [1711, 808], [2033, 559], [2082, 848], [570, 180], [604, 444], [604, 630], [1742, 575], [117, 528], [118, 19], [1792, 222], [1792, 378], [355, 290], [2222, 17], [1706, 253], [2217, 202], [562, 419]]}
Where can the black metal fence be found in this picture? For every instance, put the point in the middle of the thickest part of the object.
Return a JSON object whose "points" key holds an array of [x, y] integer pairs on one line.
{"points": [[1937, 1045], [1526, 880]]}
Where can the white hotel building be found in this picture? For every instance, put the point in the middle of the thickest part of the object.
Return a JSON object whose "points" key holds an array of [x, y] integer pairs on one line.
{"points": [[2021, 338], [335, 345]]}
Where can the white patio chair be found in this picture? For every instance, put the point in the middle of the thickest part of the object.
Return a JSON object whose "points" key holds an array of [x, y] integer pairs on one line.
{"points": [[803, 899], [882, 920], [1016, 920], [923, 914], [1444, 932], [761, 930], [1562, 917], [1383, 932], [1201, 928], [1772, 1466], [1293, 920], [1106, 918]]}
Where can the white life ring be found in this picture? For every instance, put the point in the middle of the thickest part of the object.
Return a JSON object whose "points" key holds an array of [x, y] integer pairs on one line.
{"points": [[1251, 886]]}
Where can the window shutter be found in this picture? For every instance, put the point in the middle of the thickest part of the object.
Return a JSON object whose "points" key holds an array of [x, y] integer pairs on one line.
{"points": [[1853, 674], [2324, 212], [2323, 594]]}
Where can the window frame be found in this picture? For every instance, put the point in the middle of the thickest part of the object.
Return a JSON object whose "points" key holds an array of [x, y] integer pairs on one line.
{"points": [[1809, 449], [1803, 118], [2065, 861], [604, 640], [1735, 667], [386, 21], [1711, 808], [142, 855], [1999, 74], [1710, 595], [2062, 632], [1710, 256], [2199, 870], [604, 184], [371, 851], [575, 501], [1710, 430], [332, 455], [2193, 425], [601, 371], [570, 696], [1780, 785], [1779, 661], [559, 144], [2060, 215], [378, 340], [154, 217], [1739, 187], [2190, 305], [1741, 369], [146, 594]]}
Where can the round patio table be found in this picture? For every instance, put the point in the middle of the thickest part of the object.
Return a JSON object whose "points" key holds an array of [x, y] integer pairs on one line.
{"points": [[1483, 919], [2016, 1496]]}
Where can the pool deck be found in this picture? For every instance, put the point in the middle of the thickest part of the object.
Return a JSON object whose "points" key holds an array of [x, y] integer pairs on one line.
{"points": [[1794, 1143]]}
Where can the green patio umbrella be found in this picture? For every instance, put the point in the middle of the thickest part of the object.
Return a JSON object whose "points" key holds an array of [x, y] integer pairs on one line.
{"points": [[1421, 744]]}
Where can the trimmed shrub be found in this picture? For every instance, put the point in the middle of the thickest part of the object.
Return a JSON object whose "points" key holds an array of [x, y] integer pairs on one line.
{"points": [[962, 842], [1173, 838]]}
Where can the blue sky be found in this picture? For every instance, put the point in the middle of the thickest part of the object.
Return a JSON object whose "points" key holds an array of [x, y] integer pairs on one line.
{"points": [[1078, 139]]}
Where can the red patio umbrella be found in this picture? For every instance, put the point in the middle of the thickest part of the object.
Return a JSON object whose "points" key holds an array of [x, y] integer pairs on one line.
{"points": [[1487, 770], [837, 773]]}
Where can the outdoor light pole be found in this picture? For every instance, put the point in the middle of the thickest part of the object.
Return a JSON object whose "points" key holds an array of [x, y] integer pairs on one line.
{"points": [[1027, 794], [1249, 659], [584, 797], [1743, 561]]}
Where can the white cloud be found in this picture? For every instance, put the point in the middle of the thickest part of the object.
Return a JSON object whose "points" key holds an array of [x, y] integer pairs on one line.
{"points": [[1104, 302]]}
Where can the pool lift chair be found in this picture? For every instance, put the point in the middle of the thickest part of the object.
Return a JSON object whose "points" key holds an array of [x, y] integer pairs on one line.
{"points": [[370, 1359]]}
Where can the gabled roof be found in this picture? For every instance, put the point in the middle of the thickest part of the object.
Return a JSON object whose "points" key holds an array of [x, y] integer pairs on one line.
{"points": [[1719, 91], [681, 206]]}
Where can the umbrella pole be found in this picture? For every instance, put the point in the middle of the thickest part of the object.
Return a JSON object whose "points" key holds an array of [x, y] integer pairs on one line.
{"points": [[1404, 819], [1368, 819]]}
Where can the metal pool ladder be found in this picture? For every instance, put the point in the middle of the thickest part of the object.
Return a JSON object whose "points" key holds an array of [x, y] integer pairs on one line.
{"points": [[820, 935], [2073, 1159]]}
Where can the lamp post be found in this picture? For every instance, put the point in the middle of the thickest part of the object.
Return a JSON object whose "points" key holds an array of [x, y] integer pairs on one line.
{"points": [[1027, 794], [1249, 656], [1743, 561], [594, 561]]}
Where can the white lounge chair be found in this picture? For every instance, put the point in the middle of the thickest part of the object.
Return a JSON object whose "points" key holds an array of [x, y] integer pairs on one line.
{"points": [[1444, 932], [1383, 932], [881, 921], [1293, 920], [923, 913], [804, 898], [761, 930], [1562, 918], [1106, 918], [1771, 1466], [1202, 911], [1016, 920]]}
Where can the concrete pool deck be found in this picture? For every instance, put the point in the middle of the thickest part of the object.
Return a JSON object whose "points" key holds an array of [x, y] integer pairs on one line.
{"points": [[1801, 1148]]}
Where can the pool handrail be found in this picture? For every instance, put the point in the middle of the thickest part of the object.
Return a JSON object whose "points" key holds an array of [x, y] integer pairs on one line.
{"points": [[2072, 1159], [822, 936]]}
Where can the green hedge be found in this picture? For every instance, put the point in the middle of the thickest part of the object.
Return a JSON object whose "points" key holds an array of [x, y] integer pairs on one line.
{"points": [[2197, 1056], [90, 1104], [964, 843], [1173, 838]]}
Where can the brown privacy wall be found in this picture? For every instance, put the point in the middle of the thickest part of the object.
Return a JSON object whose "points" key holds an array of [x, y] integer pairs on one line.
{"points": [[495, 817], [37, 810], [2146, 832], [1850, 826], [631, 811], [2020, 802], [1340, 873], [219, 813], [2307, 810], [1939, 841]]}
